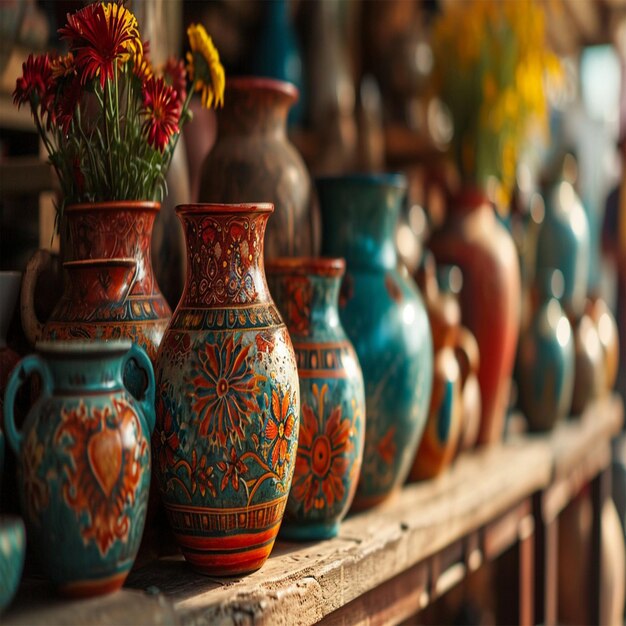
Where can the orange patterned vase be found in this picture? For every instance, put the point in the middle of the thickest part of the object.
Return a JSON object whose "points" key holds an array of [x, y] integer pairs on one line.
{"points": [[228, 402]]}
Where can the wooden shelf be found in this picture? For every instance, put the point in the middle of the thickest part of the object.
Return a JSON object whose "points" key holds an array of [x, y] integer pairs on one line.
{"points": [[393, 560]]}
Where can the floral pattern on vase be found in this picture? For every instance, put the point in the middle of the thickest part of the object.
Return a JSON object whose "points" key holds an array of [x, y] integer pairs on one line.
{"points": [[227, 397], [332, 426]]}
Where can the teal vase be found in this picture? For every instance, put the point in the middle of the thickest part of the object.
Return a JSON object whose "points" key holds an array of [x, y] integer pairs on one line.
{"points": [[546, 358], [385, 318], [332, 396], [12, 553], [83, 462]]}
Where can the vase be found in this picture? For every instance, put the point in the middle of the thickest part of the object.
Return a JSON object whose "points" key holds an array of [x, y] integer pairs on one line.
{"points": [[253, 158], [384, 317], [546, 358], [468, 357], [12, 554], [332, 396], [83, 462], [472, 238], [609, 339], [228, 402], [444, 422], [563, 244], [108, 230]]}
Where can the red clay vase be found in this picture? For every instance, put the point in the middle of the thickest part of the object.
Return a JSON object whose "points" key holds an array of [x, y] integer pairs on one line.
{"points": [[253, 158], [473, 239], [228, 400]]}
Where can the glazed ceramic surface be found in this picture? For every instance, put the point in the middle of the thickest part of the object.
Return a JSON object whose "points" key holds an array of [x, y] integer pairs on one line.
{"points": [[546, 359], [12, 553], [83, 462], [253, 159], [228, 403], [563, 244], [105, 231], [474, 240], [384, 316], [332, 396]]}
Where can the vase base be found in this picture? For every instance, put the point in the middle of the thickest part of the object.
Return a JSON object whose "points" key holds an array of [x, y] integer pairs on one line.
{"points": [[89, 588], [228, 564], [309, 532], [363, 503]]}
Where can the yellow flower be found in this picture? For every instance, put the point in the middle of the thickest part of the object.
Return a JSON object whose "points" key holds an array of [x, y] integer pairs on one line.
{"points": [[119, 14], [204, 68]]}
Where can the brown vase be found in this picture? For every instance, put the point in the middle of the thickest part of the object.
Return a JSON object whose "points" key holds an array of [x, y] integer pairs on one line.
{"points": [[473, 239], [254, 160], [104, 231], [468, 356], [609, 339]]}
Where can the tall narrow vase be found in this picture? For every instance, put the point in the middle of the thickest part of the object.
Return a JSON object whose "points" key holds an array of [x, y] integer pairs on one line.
{"points": [[473, 239], [228, 401], [384, 317], [253, 158], [332, 396]]}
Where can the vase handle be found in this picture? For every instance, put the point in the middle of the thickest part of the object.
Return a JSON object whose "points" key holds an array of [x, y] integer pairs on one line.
{"points": [[27, 366], [142, 361], [33, 328]]}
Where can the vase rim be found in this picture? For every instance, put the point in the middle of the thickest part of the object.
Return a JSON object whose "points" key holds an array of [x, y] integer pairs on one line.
{"points": [[115, 262], [263, 83], [319, 266], [222, 208], [391, 179], [83, 348], [127, 205]]}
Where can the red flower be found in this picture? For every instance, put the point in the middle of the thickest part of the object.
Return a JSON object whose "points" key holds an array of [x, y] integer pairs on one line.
{"points": [[163, 110], [101, 36], [36, 85], [67, 102], [233, 471], [201, 476], [322, 463], [166, 441], [175, 75], [279, 427]]}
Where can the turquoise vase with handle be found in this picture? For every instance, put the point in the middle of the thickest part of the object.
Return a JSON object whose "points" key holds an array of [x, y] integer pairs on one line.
{"points": [[385, 318], [83, 461]]}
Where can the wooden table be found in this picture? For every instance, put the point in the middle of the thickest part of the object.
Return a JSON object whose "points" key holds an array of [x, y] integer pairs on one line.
{"points": [[389, 563]]}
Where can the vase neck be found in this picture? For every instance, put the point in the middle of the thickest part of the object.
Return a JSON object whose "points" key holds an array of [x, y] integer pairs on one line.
{"points": [[359, 220], [224, 255], [469, 199], [85, 373]]}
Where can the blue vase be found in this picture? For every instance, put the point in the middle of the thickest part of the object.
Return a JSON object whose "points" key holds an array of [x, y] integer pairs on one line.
{"points": [[12, 552], [83, 462], [563, 244], [279, 57], [546, 358], [385, 318], [332, 396]]}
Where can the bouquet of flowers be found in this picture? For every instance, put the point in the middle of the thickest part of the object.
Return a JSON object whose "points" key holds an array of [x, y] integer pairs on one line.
{"points": [[491, 61], [109, 120]]}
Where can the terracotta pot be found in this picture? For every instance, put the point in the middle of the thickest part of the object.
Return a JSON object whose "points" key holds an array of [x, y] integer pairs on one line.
{"points": [[228, 401], [473, 239], [253, 158], [332, 396], [99, 231], [83, 462], [443, 426], [546, 358], [385, 318]]}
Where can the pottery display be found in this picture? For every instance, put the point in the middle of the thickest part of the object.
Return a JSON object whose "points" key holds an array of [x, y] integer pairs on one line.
{"points": [[83, 462], [253, 158], [332, 396], [102, 231], [443, 426], [609, 339], [473, 239], [228, 400], [383, 314], [12, 554], [563, 244], [468, 357], [546, 358]]}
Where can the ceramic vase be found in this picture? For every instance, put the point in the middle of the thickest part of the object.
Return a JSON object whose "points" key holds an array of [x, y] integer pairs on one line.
{"points": [[473, 239], [384, 317], [609, 339], [106, 231], [228, 401], [253, 158], [332, 396], [468, 357], [563, 244], [546, 358], [83, 462], [12, 554], [443, 426]]}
